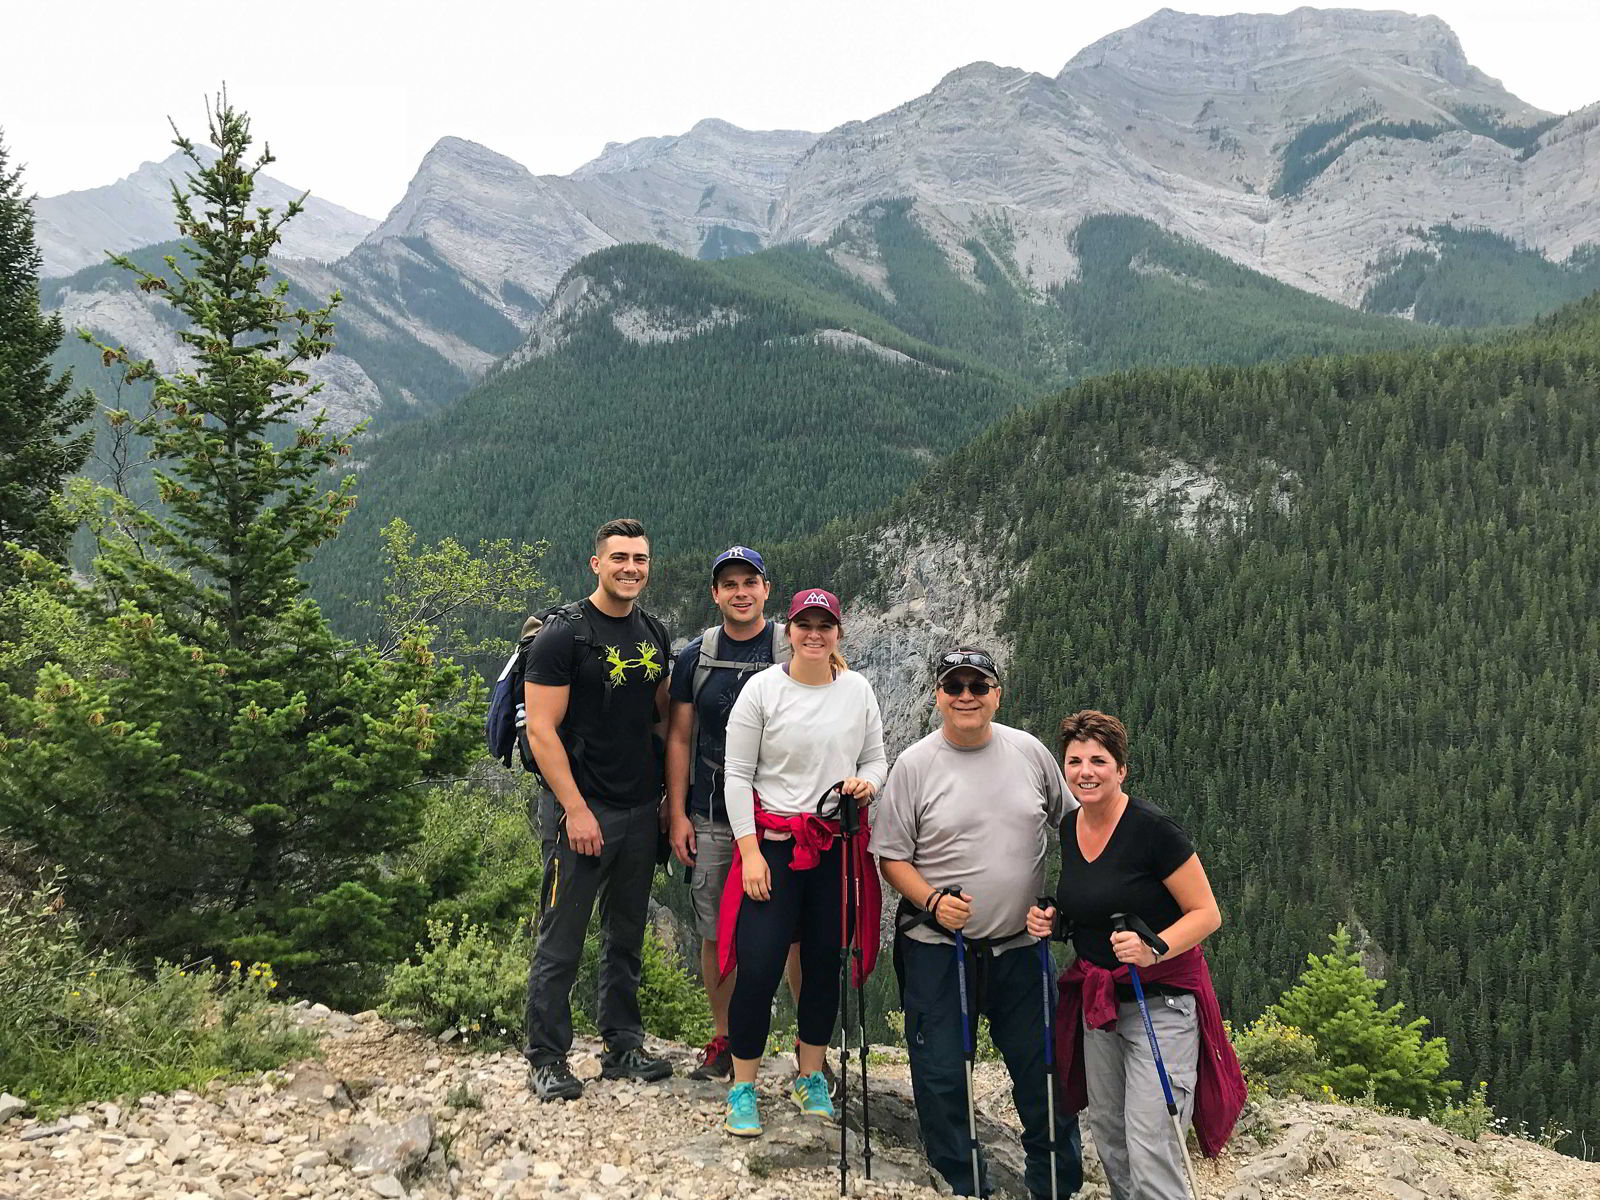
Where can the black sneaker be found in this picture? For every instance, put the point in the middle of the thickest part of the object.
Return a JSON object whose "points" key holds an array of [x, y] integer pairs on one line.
{"points": [[634, 1063], [554, 1081], [716, 1061]]}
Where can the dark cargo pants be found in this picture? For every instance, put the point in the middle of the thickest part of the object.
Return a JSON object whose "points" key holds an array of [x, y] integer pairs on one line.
{"points": [[1010, 996], [619, 877]]}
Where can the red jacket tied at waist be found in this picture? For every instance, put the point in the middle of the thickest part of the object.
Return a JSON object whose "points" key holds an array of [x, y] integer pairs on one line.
{"points": [[812, 836], [1090, 991]]}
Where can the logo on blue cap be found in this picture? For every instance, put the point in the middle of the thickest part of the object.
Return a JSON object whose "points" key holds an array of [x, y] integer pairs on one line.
{"points": [[739, 554]]}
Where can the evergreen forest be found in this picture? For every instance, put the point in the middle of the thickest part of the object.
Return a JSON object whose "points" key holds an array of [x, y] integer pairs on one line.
{"points": [[758, 399]]}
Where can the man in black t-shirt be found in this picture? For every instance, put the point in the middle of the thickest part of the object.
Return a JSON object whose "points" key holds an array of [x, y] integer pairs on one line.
{"points": [[594, 685]]}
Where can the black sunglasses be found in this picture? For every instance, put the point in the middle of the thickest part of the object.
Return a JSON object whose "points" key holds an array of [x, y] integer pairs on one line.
{"points": [[978, 687]]}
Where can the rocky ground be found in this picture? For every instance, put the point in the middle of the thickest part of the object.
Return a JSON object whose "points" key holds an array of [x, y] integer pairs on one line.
{"points": [[390, 1114]]}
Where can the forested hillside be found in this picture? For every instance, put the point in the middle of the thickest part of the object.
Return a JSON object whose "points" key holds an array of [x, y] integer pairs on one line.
{"points": [[756, 398], [1369, 682]]}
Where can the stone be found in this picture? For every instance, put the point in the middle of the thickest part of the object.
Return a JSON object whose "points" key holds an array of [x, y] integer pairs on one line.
{"points": [[309, 1159], [387, 1186], [40, 1132], [611, 1174], [1398, 1189], [11, 1106], [314, 1083], [387, 1149], [136, 1154]]}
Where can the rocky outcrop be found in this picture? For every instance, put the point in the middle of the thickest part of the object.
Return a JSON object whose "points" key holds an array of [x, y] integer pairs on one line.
{"points": [[76, 229]]}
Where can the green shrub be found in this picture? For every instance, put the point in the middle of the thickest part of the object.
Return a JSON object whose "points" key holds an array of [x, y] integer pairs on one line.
{"points": [[1367, 1051], [79, 1025], [464, 979], [1472, 1118], [671, 999], [1277, 1059]]}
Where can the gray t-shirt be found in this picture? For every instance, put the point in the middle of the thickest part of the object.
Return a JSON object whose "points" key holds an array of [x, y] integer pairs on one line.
{"points": [[981, 818]]}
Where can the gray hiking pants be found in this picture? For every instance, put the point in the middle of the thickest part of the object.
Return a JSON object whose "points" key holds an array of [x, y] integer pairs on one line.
{"points": [[1127, 1113], [619, 877]]}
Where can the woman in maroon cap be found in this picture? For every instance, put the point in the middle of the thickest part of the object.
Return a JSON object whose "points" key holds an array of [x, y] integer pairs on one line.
{"points": [[797, 729]]}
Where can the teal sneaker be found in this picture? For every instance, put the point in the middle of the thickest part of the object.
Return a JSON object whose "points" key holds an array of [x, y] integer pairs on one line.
{"points": [[811, 1094], [743, 1120]]}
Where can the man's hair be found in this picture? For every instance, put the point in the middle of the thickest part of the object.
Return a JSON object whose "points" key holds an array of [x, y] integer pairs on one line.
{"points": [[621, 527], [1091, 725]]}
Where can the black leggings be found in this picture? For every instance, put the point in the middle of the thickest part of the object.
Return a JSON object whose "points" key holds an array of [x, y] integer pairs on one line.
{"points": [[804, 908]]}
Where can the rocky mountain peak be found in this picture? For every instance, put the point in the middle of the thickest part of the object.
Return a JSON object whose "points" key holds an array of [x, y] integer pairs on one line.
{"points": [[75, 229], [1271, 51]]}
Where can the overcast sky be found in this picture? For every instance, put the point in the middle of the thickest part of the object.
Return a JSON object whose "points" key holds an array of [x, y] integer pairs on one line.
{"points": [[351, 93]]}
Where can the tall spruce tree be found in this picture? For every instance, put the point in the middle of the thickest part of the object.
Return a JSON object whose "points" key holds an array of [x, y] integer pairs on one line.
{"points": [[41, 443], [227, 787]]}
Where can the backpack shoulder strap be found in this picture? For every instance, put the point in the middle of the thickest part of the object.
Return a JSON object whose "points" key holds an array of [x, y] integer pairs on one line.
{"points": [[710, 647]]}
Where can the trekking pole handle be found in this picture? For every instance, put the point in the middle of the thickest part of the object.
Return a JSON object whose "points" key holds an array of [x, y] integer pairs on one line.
{"points": [[1128, 923], [1058, 924]]}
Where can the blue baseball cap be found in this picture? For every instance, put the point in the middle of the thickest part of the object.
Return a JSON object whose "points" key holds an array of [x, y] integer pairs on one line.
{"points": [[739, 554]]}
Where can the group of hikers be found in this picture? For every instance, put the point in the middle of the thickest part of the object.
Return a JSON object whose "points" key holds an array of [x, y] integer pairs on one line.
{"points": [[774, 790]]}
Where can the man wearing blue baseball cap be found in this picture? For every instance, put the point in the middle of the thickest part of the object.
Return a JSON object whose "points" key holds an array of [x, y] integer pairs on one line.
{"points": [[706, 680]]}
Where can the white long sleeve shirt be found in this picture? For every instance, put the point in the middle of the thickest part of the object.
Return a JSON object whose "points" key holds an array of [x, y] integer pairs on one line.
{"points": [[791, 741]]}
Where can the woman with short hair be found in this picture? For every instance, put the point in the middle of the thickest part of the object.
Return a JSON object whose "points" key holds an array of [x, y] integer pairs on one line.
{"points": [[1122, 854]]}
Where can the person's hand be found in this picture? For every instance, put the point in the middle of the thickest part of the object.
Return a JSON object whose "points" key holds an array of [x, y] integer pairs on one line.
{"points": [[1042, 922], [681, 835], [859, 788], [756, 877], [953, 912], [583, 830], [1131, 948]]}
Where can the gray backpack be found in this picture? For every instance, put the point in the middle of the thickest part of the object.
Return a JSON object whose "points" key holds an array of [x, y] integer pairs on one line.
{"points": [[710, 648]]}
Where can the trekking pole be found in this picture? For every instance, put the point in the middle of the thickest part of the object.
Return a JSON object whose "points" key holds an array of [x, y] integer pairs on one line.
{"points": [[850, 828], [846, 906], [1128, 923], [969, 1046], [1049, 1049]]}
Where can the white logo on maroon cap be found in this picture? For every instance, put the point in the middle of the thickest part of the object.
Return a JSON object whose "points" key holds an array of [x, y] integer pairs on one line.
{"points": [[821, 598]]}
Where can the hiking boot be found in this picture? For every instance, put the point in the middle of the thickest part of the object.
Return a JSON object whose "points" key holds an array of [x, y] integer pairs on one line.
{"points": [[634, 1063], [716, 1061], [743, 1119], [554, 1081], [811, 1095]]}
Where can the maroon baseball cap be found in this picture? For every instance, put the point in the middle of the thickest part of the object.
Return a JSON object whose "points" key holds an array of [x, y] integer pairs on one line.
{"points": [[815, 598]]}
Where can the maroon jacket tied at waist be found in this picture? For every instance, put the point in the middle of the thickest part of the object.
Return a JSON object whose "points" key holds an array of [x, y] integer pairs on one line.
{"points": [[812, 836], [1090, 991]]}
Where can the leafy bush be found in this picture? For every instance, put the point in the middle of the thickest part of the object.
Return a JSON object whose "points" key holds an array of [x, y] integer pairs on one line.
{"points": [[671, 999], [1472, 1118], [1278, 1059], [79, 1025], [464, 979]]}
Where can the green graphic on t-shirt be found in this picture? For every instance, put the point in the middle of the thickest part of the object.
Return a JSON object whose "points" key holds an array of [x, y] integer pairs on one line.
{"points": [[619, 666]]}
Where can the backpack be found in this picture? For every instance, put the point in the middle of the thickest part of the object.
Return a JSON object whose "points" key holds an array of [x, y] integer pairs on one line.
{"points": [[507, 718], [710, 648]]}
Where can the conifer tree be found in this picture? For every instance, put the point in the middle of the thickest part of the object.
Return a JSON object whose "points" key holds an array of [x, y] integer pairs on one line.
{"points": [[226, 786], [40, 441], [1369, 1050]]}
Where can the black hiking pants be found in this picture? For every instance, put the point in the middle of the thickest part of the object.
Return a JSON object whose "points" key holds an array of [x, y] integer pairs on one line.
{"points": [[1006, 989], [619, 877]]}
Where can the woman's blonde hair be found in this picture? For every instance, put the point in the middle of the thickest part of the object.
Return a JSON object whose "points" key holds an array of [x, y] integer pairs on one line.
{"points": [[836, 661]]}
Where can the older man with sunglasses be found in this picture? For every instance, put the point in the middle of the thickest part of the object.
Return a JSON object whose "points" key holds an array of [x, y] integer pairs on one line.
{"points": [[965, 833]]}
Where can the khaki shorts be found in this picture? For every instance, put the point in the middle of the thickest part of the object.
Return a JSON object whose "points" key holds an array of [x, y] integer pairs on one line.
{"points": [[713, 857]]}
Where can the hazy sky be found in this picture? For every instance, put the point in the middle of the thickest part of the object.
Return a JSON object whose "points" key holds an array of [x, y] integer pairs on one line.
{"points": [[351, 93]]}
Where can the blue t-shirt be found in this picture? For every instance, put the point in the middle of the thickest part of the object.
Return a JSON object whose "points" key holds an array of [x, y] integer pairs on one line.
{"points": [[722, 688]]}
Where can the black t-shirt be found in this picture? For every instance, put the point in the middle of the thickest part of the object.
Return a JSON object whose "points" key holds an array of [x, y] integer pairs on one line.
{"points": [[1145, 847], [608, 729], [711, 709]]}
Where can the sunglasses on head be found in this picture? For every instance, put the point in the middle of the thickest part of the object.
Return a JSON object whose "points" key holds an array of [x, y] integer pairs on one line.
{"points": [[978, 687]]}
